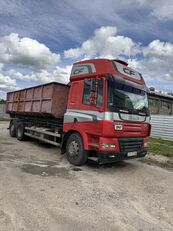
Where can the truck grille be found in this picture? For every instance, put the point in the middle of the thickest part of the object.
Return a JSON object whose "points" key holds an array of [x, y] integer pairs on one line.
{"points": [[130, 144]]}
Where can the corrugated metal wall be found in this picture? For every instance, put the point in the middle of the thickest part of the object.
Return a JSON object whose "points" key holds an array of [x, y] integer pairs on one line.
{"points": [[162, 126], [3, 114]]}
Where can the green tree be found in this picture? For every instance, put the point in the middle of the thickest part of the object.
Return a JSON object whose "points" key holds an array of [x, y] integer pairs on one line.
{"points": [[2, 101]]}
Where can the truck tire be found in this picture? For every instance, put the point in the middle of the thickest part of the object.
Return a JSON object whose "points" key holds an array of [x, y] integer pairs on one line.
{"points": [[12, 129], [75, 153], [20, 132]]}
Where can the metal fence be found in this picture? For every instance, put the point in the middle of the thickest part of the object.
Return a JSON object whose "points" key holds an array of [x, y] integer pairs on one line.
{"points": [[3, 114], [162, 127]]}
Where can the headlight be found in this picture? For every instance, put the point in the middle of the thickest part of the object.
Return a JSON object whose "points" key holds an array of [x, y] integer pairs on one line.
{"points": [[145, 144], [108, 145]]}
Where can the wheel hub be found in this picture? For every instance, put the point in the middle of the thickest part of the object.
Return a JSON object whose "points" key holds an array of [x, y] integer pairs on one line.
{"points": [[73, 148]]}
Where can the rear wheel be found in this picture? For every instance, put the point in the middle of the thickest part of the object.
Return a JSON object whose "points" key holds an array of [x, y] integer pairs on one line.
{"points": [[76, 155], [20, 132], [12, 129]]}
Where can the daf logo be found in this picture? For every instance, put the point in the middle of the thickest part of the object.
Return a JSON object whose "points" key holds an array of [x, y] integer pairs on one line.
{"points": [[128, 71], [77, 71]]}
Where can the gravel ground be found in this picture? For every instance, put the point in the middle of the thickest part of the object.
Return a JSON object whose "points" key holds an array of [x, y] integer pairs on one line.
{"points": [[41, 191]]}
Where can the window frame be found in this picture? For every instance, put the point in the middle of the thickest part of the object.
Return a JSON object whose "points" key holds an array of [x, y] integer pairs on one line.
{"points": [[102, 99]]}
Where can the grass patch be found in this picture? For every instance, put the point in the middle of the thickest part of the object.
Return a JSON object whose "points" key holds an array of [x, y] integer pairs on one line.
{"points": [[160, 147], [163, 164]]}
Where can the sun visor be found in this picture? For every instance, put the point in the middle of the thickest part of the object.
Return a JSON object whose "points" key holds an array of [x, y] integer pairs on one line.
{"points": [[113, 78]]}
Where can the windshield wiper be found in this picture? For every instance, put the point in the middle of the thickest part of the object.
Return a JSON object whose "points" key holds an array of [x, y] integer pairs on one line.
{"points": [[139, 112], [130, 110], [122, 109], [133, 111]]}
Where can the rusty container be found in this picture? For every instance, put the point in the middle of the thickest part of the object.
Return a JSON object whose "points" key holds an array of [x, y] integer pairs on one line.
{"points": [[44, 100]]}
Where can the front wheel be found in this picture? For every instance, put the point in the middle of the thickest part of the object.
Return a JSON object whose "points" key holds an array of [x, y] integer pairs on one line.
{"points": [[20, 133], [75, 153]]}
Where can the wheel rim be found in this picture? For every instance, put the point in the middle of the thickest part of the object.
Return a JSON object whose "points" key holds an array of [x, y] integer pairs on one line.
{"points": [[73, 149]]}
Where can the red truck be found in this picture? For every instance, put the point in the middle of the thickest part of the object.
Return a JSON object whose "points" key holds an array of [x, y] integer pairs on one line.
{"points": [[103, 113]]}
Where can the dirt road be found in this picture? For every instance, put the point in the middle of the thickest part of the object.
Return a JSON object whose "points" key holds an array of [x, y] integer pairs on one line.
{"points": [[41, 191]]}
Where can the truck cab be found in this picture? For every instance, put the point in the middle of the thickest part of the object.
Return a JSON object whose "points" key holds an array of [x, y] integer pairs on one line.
{"points": [[107, 110]]}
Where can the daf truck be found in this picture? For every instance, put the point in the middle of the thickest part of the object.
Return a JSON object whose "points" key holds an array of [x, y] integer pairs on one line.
{"points": [[102, 113]]}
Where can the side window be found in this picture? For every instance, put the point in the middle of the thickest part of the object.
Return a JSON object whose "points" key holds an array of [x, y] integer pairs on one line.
{"points": [[87, 91], [165, 108]]}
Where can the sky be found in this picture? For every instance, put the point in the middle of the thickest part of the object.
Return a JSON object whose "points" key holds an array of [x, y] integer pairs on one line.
{"points": [[41, 39]]}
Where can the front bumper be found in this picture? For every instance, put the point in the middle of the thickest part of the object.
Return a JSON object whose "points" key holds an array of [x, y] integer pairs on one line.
{"points": [[120, 156]]}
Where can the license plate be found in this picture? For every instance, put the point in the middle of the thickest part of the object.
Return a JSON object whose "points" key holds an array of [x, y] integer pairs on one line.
{"points": [[131, 153]]}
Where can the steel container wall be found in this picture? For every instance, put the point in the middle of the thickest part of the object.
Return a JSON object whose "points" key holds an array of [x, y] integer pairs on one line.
{"points": [[43, 100], [162, 127]]}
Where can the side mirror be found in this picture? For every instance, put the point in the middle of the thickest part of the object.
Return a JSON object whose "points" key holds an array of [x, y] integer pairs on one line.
{"points": [[93, 85]]}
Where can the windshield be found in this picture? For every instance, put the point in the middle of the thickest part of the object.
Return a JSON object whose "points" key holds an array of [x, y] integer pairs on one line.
{"points": [[126, 98]]}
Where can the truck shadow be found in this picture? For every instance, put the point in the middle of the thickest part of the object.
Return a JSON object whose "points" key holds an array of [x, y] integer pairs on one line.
{"points": [[118, 164]]}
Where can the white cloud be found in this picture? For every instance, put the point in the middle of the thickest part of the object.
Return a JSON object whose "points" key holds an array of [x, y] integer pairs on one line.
{"points": [[1, 66], [163, 10], [59, 74], [31, 61], [169, 75], [159, 58], [159, 49], [156, 64], [7, 83], [154, 60], [104, 43], [8, 79], [26, 52]]}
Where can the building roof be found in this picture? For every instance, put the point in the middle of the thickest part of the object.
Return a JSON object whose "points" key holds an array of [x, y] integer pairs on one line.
{"points": [[161, 95]]}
